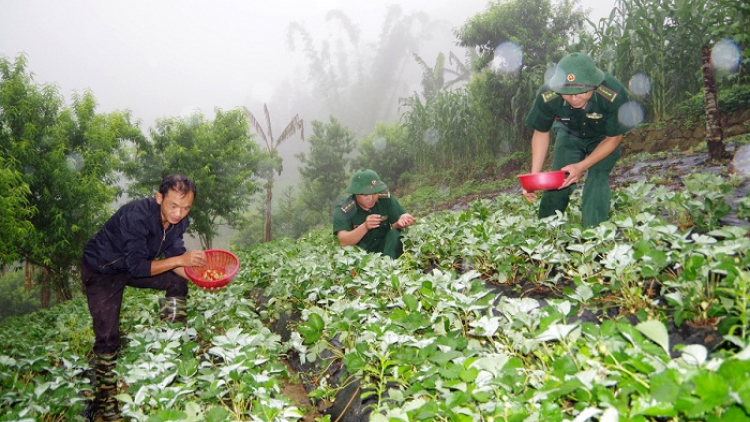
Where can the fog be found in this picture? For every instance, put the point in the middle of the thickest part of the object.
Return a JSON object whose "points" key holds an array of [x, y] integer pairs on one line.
{"points": [[168, 58]]}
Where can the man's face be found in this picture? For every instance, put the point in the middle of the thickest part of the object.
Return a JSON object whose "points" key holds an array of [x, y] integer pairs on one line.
{"points": [[578, 100], [367, 201], [174, 206]]}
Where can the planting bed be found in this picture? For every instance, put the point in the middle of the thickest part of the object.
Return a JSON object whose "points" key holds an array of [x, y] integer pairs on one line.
{"points": [[490, 314]]}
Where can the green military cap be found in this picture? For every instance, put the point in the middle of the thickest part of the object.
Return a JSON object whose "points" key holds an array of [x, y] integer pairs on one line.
{"points": [[576, 73], [366, 182]]}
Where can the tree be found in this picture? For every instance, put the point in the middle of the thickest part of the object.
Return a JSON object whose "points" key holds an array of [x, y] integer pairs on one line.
{"points": [[323, 169], [543, 29], [14, 210], [387, 151], [272, 160], [501, 97], [433, 78], [714, 132], [219, 155], [730, 21], [670, 41], [64, 161]]}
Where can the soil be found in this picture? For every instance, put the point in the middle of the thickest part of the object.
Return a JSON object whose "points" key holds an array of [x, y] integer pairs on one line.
{"points": [[298, 395]]}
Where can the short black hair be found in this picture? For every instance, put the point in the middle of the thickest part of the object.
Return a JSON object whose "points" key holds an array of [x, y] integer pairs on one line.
{"points": [[178, 182]]}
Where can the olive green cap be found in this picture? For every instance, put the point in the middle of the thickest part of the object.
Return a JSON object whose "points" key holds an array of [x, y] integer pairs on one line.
{"points": [[366, 182], [576, 73]]}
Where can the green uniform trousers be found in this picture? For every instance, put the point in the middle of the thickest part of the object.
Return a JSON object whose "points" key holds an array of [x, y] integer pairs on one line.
{"points": [[596, 197], [390, 245]]}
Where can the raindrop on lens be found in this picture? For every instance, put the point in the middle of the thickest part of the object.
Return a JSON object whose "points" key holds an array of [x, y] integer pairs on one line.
{"points": [[445, 190], [431, 136], [379, 144], [726, 56], [508, 57], [74, 161], [549, 73], [640, 84], [631, 114]]}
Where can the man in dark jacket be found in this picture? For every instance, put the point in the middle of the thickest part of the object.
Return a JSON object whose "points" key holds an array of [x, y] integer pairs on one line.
{"points": [[140, 246]]}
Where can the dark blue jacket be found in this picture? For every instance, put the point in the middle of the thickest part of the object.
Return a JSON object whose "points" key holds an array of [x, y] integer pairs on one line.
{"points": [[132, 238]]}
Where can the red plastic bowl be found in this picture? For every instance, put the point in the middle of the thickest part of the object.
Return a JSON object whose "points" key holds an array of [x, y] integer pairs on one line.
{"points": [[550, 180], [219, 260]]}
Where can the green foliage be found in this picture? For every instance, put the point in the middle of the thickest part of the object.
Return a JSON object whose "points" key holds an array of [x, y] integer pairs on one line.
{"points": [[388, 152], [499, 107], [220, 157], [14, 213], [438, 130], [731, 99], [734, 98], [664, 40], [736, 28], [64, 160], [543, 28], [293, 220], [14, 299], [486, 118], [270, 161], [431, 335], [323, 169]]}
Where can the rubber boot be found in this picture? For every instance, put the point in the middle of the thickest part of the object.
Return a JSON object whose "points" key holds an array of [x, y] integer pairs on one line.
{"points": [[106, 387], [173, 309]]}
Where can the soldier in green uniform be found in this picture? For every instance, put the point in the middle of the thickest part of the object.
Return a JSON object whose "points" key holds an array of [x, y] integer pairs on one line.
{"points": [[370, 217], [581, 104]]}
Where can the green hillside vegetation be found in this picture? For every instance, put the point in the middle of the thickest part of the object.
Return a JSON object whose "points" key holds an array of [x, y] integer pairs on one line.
{"points": [[489, 314]]}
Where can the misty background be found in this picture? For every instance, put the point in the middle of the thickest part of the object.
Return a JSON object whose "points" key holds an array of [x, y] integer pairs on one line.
{"points": [[172, 58]]}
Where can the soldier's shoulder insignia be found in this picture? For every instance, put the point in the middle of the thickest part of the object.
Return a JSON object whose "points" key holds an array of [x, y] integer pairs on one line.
{"points": [[607, 93], [349, 206], [548, 96], [384, 195]]}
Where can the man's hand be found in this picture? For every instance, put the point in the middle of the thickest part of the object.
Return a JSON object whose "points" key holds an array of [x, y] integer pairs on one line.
{"points": [[193, 258], [178, 263]]}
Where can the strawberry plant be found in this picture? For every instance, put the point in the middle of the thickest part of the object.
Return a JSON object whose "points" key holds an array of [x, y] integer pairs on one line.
{"points": [[490, 314]]}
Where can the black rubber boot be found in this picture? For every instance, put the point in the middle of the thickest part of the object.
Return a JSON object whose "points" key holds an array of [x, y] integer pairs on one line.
{"points": [[106, 387], [173, 309]]}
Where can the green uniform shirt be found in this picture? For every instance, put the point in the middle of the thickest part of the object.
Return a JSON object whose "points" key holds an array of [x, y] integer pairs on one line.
{"points": [[597, 120], [348, 215]]}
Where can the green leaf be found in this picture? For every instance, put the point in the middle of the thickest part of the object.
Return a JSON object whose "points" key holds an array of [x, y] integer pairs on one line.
{"points": [[412, 304], [217, 414], [656, 331]]}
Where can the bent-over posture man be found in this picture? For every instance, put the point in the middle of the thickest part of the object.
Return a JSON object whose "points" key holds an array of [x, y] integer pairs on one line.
{"points": [[141, 246], [581, 103]]}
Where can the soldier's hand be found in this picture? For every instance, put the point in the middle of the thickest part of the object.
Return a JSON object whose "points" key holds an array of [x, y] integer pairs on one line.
{"points": [[404, 221], [372, 221], [575, 172], [530, 196]]}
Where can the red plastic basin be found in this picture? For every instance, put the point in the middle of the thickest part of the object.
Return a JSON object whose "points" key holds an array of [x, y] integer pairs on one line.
{"points": [[549, 180], [223, 261]]}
